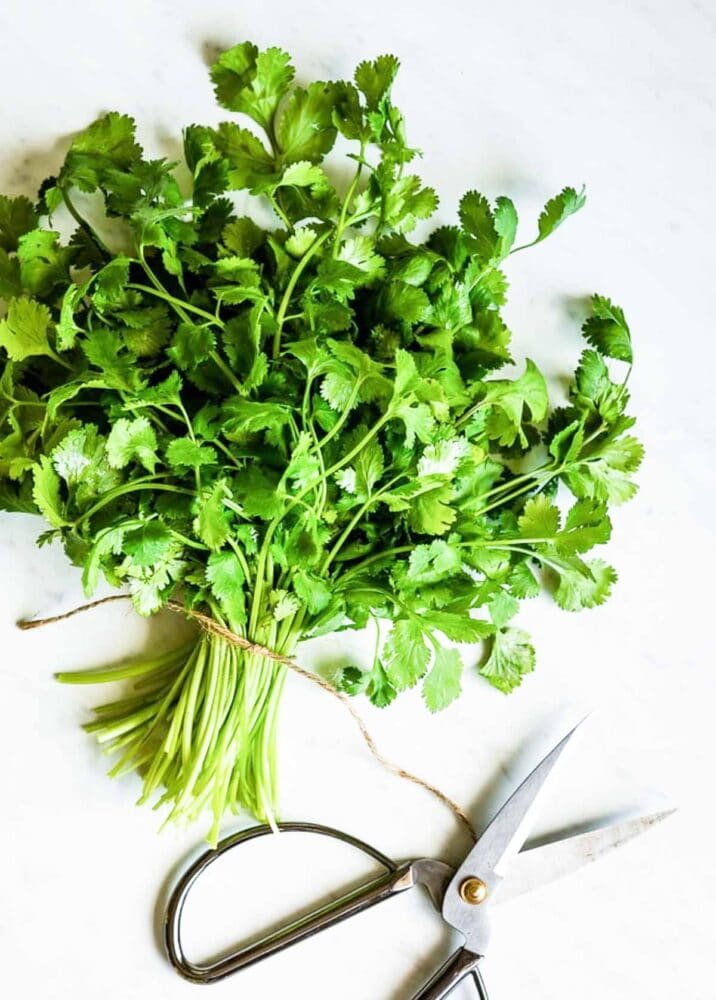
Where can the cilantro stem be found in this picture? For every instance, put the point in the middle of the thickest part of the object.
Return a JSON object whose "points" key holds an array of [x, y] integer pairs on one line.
{"points": [[181, 307], [290, 287], [227, 451], [129, 488], [539, 556], [341, 225], [299, 496], [348, 458], [83, 224], [355, 519], [60, 361], [280, 213], [375, 557], [509, 497], [242, 559], [535, 474], [172, 300], [337, 427], [188, 541]]}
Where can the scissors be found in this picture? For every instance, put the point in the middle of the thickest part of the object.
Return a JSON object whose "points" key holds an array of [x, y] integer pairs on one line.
{"points": [[464, 897]]}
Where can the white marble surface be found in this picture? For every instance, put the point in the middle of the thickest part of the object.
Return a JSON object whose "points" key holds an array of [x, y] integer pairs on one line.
{"points": [[516, 98]]}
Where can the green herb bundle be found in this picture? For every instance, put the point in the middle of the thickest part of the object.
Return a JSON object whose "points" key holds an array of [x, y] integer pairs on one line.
{"points": [[294, 430]]}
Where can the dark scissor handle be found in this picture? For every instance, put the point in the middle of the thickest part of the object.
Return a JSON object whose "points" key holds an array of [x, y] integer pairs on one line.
{"points": [[395, 879]]}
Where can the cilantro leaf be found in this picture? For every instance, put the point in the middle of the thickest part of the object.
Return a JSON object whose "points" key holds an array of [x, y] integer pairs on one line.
{"points": [[132, 440], [374, 79], [511, 657], [458, 627], [305, 129], [607, 330], [186, 453], [24, 333], [406, 654], [107, 144], [211, 523], [442, 684], [604, 474], [250, 164], [583, 585], [511, 398], [225, 577], [149, 543], [478, 224], [558, 209], [540, 518], [46, 492], [374, 683], [313, 591], [17, 217], [252, 82]]}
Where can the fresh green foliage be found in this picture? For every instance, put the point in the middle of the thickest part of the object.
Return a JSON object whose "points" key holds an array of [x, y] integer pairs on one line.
{"points": [[295, 430]]}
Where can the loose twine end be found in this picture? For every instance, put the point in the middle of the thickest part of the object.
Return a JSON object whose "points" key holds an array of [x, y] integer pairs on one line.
{"points": [[213, 627]]}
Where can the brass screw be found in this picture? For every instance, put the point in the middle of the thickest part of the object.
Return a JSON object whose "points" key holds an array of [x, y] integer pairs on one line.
{"points": [[473, 891]]}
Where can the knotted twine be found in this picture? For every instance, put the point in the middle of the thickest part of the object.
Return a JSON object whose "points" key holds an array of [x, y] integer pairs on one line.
{"points": [[213, 627]]}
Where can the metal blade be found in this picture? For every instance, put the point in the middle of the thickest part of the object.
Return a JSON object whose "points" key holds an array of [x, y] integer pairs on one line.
{"points": [[486, 863], [537, 866]]}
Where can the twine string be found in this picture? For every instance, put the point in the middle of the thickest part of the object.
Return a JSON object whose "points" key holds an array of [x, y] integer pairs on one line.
{"points": [[212, 627]]}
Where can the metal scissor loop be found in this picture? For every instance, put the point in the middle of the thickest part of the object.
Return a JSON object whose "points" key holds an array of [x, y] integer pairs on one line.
{"points": [[395, 879]]}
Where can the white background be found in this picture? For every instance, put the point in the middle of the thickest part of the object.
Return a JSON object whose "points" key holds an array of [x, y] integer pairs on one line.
{"points": [[517, 98]]}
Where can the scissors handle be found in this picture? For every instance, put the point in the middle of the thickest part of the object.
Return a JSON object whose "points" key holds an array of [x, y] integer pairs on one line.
{"points": [[395, 879], [461, 964]]}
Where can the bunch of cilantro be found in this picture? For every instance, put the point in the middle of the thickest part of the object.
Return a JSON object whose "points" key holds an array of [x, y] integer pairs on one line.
{"points": [[295, 429]]}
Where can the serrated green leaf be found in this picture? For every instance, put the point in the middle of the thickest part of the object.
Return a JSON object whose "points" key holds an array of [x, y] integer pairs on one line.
{"points": [[46, 493], [540, 518], [252, 82], [226, 579], [44, 262], [305, 129], [17, 217], [244, 416], [586, 525], [505, 222], [25, 329], [605, 475], [458, 627], [107, 542], [503, 607], [432, 563], [149, 543], [557, 209], [250, 164], [132, 440], [313, 591], [186, 453], [511, 657], [406, 654], [583, 585], [607, 330], [374, 79], [478, 225], [211, 523], [107, 144], [511, 397], [442, 684]]}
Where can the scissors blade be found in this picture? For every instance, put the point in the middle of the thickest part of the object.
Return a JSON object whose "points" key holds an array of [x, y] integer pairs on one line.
{"points": [[487, 861], [537, 866]]}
